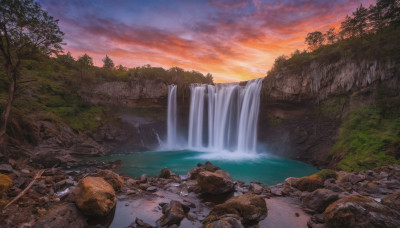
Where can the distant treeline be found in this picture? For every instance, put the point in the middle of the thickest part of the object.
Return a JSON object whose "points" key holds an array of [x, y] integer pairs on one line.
{"points": [[369, 33], [109, 72]]}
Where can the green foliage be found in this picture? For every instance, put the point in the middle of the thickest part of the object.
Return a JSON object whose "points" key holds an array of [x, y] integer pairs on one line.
{"points": [[369, 138], [325, 174], [332, 108], [108, 63]]}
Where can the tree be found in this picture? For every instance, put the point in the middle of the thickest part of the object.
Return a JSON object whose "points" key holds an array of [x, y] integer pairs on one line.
{"points": [[209, 78], [331, 36], [357, 25], [67, 59], [25, 29], [314, 40], [108, 63], [85, 63]]}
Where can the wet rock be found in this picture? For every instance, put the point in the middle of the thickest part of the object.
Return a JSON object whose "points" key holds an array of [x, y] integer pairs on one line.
{"points": [[215, 183], [112, 178], [64, 183], [250, 208], [319, 199], [151, 189], [5, 183], [227, 221], [173, 214], [94, 196], [360, 211], [166, 173], [310, 183], [392, 201], [193, 173], [139, 224], [256, 188], [6, 168], [63, 216], [143, 178]]}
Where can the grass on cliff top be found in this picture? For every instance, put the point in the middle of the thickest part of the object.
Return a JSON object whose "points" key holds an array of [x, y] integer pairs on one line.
{"points": [[369, 138]]}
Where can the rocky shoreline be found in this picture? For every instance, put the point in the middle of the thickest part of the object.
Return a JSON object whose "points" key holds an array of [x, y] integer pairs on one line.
{"points": [[206, 196]]}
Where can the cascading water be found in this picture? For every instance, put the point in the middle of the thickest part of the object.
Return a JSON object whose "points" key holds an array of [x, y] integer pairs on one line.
{"points": [[171, 116], [231, 116]]}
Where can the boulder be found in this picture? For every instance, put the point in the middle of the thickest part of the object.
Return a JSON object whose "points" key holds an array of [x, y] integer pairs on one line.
{"points": [[5, 183], [310, 183], [173, 213], [319, 199], [228, 221], [112, 178], [166, 173], [94, 196], [256, 188], [193, 173], [360, 211], [63, 216], [250, 208], [215, 183], [143, 178], [392, 201]]}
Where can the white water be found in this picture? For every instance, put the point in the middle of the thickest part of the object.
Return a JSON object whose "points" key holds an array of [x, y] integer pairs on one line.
{"points": [[231, 115], [171, 124]]}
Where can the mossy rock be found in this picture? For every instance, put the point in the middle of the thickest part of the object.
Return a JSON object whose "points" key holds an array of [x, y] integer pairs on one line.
{"points": [[5, 183], [326, 174], [310, 183]]}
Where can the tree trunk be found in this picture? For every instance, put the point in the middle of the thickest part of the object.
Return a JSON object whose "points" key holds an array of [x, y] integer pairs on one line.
{"points": [[6, 112]]}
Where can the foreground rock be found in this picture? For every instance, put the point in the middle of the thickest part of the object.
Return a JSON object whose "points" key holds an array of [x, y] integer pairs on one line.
{"points": [[173, 213], [247, 208], [309, 184], [63, 216], [392, 201], [112, 178], [94, 196], [319, 199], [215, 183], [360, 211]]}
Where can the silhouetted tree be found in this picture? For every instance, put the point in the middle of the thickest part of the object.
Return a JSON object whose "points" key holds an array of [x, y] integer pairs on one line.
{"points": [[107, 63], [25, 29], [331, 36], [314, 40], [357, 24]]}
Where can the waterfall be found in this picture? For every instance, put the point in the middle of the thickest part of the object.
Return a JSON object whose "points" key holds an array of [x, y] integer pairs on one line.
{"points": [[171, 116], [230, 116]]}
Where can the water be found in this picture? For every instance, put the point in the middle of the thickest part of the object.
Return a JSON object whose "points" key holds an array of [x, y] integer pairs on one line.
{"points": [[261, 168], [229, 120], [171, 123]]}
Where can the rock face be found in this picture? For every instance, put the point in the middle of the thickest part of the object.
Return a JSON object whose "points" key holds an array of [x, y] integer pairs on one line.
{"points": [[215, 183], [249, 208], [360, 211], [112, 178], [5, 183], [64, 216], [94, 196]]}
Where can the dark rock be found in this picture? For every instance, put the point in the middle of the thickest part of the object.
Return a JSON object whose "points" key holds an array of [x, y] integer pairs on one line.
{"points": [[319, 199], [139, 224], [112, 178], [360, 211], [94, 196], [392, 201], [226, 221], [250, 208], [166, 173], [215, 183], [63, 216], [173, 213], [6, 168]]}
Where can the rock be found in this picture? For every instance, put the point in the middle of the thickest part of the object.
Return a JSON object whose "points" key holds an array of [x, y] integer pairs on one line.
{"points": [[166, 173], [256, 188], [319, 199], [193, 173], [5, 183], [310, 183], [228, 221], [94, 196], [250, 208], [392, 201], [215, 183], [151, 189], [143, 178], [63, 216], [139, 224], [6, 168], [360, 211], [112, 178], [173, 213], [26, 171], [291, 181]]}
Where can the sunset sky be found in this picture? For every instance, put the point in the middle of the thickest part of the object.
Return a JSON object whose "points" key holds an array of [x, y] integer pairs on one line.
{"points": [[234, 40]]}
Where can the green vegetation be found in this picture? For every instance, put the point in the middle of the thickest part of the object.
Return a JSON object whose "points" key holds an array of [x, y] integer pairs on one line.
{"points": [[332, 108], [371, 33], [325, 174], [369, 138]]}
